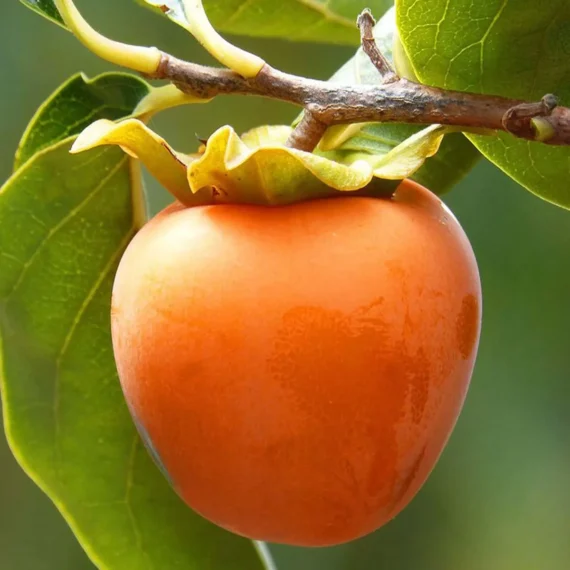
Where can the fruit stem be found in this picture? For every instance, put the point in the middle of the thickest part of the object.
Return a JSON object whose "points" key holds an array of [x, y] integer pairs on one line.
{"points": [[242, 62], [138, 58]]}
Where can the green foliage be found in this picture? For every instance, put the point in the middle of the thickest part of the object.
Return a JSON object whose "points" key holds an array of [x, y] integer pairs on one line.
{"points": [[75, 105], [516, 49], [65, 221]]}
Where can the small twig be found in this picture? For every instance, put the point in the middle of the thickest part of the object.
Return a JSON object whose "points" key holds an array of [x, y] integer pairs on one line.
{"points": [[366, 23], [307, 133]]}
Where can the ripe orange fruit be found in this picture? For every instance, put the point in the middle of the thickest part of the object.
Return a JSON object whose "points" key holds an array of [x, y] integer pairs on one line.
{"points": [[298, 370]]}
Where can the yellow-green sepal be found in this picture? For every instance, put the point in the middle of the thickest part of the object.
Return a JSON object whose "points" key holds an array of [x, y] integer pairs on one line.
{"points": [[258, 167]]}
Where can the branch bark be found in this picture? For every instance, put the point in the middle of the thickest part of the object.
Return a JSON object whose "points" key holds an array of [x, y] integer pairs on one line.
{"points": [[307, 133], [398, 100]]}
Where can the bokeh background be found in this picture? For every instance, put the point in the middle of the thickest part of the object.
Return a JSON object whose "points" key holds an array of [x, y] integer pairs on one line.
{"points": [[499, 499]]}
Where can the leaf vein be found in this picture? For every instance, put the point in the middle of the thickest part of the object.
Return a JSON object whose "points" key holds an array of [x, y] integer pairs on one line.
{"points": [[486, 36], [242, 8], [327, 13], [74, 212]]}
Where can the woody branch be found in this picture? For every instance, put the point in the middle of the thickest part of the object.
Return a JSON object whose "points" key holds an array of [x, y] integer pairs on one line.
{"points": [[395, 100]]}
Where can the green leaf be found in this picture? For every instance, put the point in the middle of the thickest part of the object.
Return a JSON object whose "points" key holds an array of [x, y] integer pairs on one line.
{"points": [[456, 155], [75, 105], [516, 48], [65, 221], [329, 21], [46, 8]]}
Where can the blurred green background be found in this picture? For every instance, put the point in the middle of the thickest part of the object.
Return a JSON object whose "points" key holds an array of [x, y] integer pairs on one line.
{"points": [[499, 499]]}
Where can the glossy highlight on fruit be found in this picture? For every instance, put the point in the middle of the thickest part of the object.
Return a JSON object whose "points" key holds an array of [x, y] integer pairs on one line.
{"points": [[296, 371]]}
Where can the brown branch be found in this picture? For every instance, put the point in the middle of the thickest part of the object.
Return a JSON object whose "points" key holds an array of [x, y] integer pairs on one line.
{"points": [[400, 101], [366, 23]]}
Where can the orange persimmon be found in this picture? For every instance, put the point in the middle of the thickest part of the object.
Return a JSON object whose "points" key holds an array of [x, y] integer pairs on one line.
{"points": [[297, 370]]}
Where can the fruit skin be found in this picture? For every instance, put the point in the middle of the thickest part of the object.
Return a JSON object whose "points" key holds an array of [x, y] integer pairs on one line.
{"points": [[298, 370]]}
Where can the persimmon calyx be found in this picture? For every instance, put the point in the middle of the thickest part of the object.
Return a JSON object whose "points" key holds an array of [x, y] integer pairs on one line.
{"points": [[139, 142], [258, 167]]}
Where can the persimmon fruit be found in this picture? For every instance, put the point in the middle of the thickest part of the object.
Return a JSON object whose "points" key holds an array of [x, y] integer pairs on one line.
{"points": [[296, 371]]}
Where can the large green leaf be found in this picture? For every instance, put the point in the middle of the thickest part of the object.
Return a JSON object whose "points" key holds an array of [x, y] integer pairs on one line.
{"points": [[514, 48], [64, 222], [75, 105], [456, 155], [330, 21]]}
